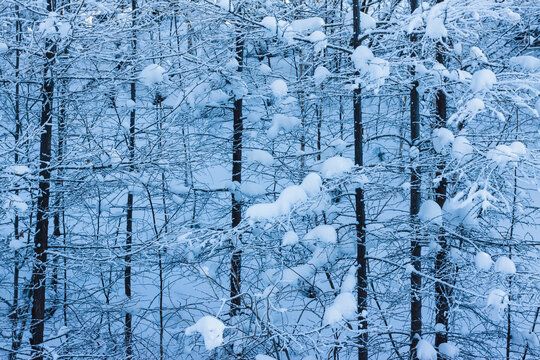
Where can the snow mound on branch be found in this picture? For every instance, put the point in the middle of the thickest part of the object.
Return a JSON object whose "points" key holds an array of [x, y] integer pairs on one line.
{"points": [[279, 88], [483, 80], [152, 75], [524, 62], [3, 48], [425, 351], [502, 154], [287, 200], [449, 350], [290, 238], [336, 166], [415, 23], [435, 29], [312, 184], [307, 25], [18, 170], [318, 38], [323, 233], [483, 261], [505, 265], [265, 69], [366, 63], [430, 213], [367, 22], [290, 197], [260, 156], [441, 138], [270, 23], [497, 301], [211, 330], [344, 307], [461, 148], [283, 122], [478, 55], [320, 74]]}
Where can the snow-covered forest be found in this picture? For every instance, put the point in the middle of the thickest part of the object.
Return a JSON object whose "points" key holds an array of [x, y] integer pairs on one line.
{"points": [[270, 179]]}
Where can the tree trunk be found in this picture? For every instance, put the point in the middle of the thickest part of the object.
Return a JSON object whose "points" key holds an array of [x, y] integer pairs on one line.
{"points": [[236, 260], [360, 212], [16, 333], [41, 236], [442, 304], [128, 331], [416, 197]]}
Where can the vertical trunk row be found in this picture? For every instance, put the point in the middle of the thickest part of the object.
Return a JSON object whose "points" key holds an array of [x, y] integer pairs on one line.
{"points": [[128, 331], [416, 249], [442, 305], [42, 216], [360, 213], [238, 127]]}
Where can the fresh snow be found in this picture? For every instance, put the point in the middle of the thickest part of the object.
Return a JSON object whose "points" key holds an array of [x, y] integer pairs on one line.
{"points": [[449, 350], [318, 38], [152, 75], [260, 157], [279, 88], [312, 184], [435, 29], [483, 261], [324, 233], [211, 330], [307, 25], [505, 265], [425, 351], [282, 122], [441, 139], [320, 74], [336, 166], [430, 213], [478, 55], [483, 80], [289, 238], [343, 308], [461, 148], [526, 63]]}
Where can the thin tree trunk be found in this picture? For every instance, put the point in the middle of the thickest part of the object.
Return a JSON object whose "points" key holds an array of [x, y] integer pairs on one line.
{"points": [[361, 261], [442, 266], [15, 337], [416, 196], [41, 236], [128, 331], [236, 260]]}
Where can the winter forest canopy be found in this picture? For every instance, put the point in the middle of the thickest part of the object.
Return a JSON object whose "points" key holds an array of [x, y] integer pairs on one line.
{"points": [[270, 179]]}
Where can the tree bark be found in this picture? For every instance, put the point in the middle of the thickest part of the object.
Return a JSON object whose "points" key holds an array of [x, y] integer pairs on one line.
{"points": [[415, 200], [360, 211], [128, 330], [238, 127], [442, 266], [41, 236]]}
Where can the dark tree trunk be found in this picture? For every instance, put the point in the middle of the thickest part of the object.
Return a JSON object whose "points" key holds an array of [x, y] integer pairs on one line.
{"points": [[128, 330], [416, 249], [442, 266], [16, 333], [41, 236], [238, 127], [360, 211]]}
